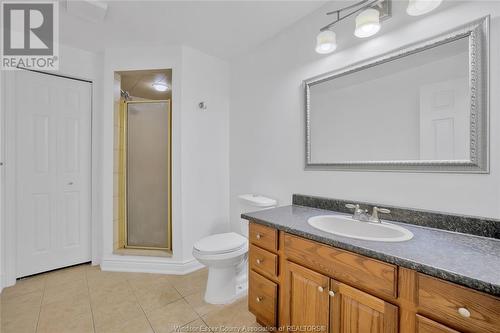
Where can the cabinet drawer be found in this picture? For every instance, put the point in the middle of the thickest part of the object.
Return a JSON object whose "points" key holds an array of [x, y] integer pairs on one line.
{"points": [[264, 237], [356, 270], [263, 261], [457, 306], [425, 325], [262, 299]]}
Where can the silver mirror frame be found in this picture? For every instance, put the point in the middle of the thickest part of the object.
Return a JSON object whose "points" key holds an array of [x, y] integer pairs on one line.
{"points": [[477, 33]]}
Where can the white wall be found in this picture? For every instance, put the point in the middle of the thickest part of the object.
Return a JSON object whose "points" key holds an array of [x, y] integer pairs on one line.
{"points": [[205, 147], [267, 119], [199, 151], [78, 64]]}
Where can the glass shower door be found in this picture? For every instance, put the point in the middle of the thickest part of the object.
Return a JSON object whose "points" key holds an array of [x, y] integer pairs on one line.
{"points": [[148, 174]]}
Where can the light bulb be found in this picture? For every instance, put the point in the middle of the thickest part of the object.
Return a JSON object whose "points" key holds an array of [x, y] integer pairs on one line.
{"points": [[160, 86], [421, 7], [326, 42], [367, 23]]}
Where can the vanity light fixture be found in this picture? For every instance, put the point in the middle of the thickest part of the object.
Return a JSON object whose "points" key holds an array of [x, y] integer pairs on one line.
{"points": [[367, 23], [326, 42], [421, 7], [160, 86], [369, 15]]}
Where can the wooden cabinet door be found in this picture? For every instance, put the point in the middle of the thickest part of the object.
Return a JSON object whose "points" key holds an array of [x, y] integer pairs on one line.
{"points": [[354, 311], [307, 299], [425, 325]]}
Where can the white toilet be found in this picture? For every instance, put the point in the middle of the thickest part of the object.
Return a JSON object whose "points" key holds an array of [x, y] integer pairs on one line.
{"points": [[225, 255]]}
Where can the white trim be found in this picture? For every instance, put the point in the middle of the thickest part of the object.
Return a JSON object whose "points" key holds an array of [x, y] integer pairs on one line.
{"points": [[142, 264], [9, 235]]}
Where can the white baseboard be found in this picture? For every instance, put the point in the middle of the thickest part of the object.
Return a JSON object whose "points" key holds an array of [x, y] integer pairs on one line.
{"points": [[5, 281], [148, 265]]}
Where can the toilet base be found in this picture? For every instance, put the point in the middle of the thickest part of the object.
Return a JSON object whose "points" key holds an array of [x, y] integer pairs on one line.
{"points": [[226, 284]]}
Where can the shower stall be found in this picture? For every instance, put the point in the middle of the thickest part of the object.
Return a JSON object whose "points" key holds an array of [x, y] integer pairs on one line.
{"points": [[145, 175]]}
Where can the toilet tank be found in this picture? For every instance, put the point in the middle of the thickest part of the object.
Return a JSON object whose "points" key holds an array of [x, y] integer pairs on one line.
{"points": [[252, 203]]}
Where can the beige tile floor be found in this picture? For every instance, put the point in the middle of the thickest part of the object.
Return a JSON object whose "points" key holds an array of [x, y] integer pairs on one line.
{"points": [[85, 299]]}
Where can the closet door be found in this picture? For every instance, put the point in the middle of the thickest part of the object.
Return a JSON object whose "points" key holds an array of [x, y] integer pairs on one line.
{"points": [[53, 160]]}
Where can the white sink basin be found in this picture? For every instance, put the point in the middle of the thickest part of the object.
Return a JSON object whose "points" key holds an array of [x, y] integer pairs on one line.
{"points": [[346, 226]]}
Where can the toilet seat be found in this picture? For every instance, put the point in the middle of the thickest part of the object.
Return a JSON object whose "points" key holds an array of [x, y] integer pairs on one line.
{"points": [[224, 243]]}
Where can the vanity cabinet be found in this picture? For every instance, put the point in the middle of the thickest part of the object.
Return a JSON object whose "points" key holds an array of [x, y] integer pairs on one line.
{"points": [[425, 325], [457, 306], [263, 299], [354, 311], [298, 284], [304, 286], [318, 302]]}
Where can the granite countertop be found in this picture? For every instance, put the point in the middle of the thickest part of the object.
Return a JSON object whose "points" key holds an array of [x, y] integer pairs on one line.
{"points": [[468, 260]]}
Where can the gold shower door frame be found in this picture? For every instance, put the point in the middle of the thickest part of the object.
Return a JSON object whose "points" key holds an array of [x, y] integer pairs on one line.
{"points": [[122, 184]]}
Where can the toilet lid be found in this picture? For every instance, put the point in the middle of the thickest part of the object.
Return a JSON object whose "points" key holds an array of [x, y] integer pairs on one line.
{"points": [[221, 243]]}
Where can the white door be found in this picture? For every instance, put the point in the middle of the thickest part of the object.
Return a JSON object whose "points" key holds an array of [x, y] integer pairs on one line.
{"points": [[444, 121], [53, 171]]}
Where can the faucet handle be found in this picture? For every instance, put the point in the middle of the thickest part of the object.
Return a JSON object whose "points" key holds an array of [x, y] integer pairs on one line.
{"points": [[382, 210], [352, 206], [376, 210]]}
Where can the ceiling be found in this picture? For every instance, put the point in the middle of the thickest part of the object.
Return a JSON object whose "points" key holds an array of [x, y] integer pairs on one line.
{"points": [[224, 29], [140, 83]]}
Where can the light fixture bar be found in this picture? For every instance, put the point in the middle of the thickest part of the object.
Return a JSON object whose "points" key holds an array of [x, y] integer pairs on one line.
{"points": [[384, 8], [347, 8]]}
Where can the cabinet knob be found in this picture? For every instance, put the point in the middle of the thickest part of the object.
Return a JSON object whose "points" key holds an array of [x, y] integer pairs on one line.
{"points": [[258, 236], [259, 261], [464, 312], [331, 293], [259, 299], [320, 289]]}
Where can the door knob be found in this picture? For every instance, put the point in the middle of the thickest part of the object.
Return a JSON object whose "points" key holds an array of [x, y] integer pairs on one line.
{"points": [[331, 293], [258, 236], [259, 299], [259, 261], [320, 289]]}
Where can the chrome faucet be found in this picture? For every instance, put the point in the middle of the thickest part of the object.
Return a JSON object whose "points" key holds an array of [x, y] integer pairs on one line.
{"points": [[359, 214], [362, 214], [374, 217]]}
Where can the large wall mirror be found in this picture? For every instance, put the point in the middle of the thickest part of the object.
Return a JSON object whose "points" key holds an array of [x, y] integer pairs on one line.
{"points": [[421, 108]]}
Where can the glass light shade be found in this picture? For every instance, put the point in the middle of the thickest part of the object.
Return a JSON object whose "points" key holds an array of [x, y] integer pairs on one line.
{"points": [[160, 86], [421, 7], [326, 42], [367, 23]]}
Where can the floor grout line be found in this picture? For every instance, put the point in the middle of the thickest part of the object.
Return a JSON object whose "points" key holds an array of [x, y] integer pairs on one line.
{"points": [[41, 303], [204, 322], [140, 305], [90, 300]]}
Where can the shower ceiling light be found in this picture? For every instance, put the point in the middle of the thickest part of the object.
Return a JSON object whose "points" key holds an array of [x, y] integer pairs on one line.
{"points": [[160, 86], [421, 7], [367, 23]]}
